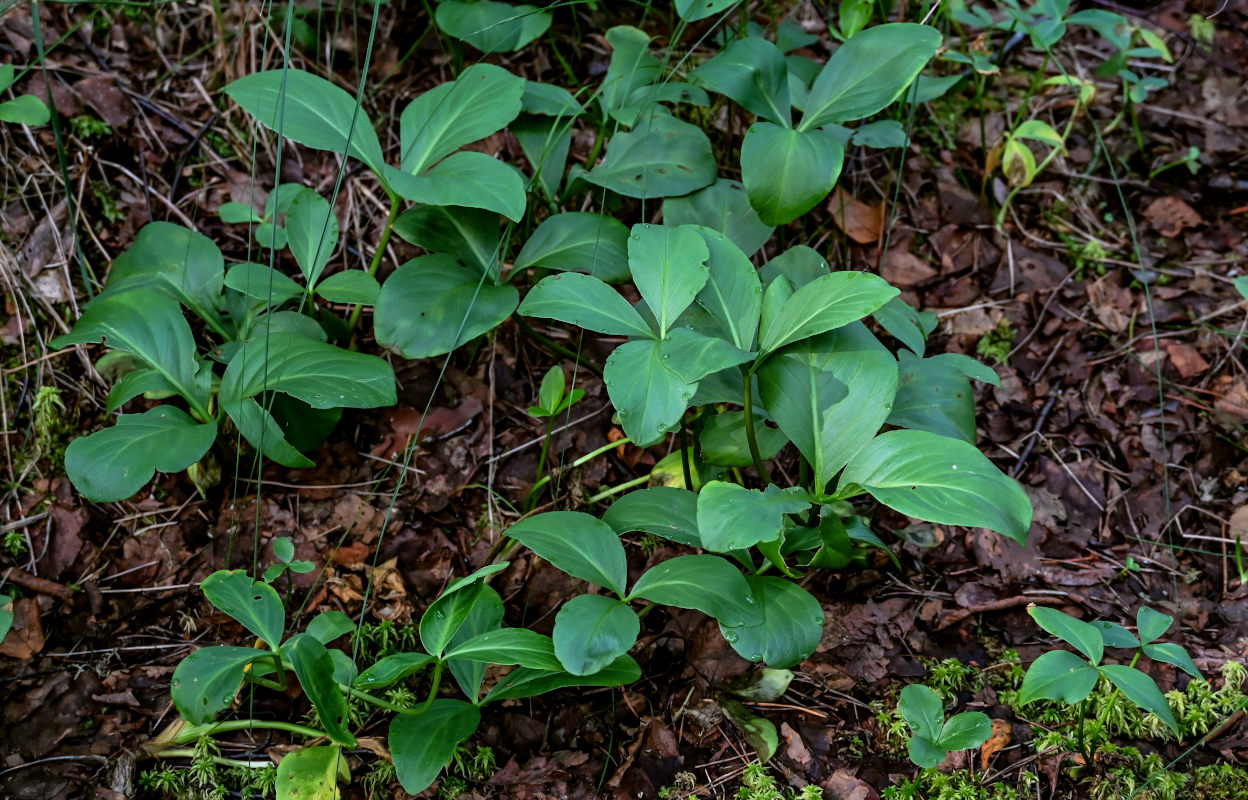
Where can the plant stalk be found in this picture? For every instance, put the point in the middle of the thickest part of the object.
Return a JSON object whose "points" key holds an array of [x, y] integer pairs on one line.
{"points": [[377, 256], [750, 437]]}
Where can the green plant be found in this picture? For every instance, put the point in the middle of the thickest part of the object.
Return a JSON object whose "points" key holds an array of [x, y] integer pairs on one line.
{"points": [[284, 550], [934, 736], [461, 632], [6, 615], [25, 109], [553, 399], [997, 343], [15, 543], [1063, 676], [283, 386], [758, 784], [86, 126]]}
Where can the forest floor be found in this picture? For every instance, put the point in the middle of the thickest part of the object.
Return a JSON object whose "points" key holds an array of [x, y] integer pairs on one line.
{"points": [[1104, 302]]}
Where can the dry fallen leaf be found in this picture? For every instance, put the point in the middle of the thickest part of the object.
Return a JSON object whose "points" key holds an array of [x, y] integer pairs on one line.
{"points": [[1103, 297], [998, 741], [1169, 216], [903, 268], [1186, 359], [861, 222], [1239, 523]]}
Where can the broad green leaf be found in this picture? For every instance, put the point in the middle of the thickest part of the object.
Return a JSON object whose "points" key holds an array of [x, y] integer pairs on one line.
{"points": [[175, 260], [525, 682], [661, 157], [8, 74], [312, 233], [924, 752], [315, 669], [392, 669], [830, 395], [1170, 653], [800, 264], [1114, 635], [578, 241], [350, 286], [232, 213], [492, 27], [319, 374], [706, 583], [136, 382], [483, 99], [25, 109], [723, 439], [1152, 624], [751, 72], [791, 628], [905, 324], [881, 134], [586, 302], [205, 682], [732, 295], [431, 305], [262, 282], [857, 81], [509, 646], [1141, 690], [577, 543], [759, 732], [938, 479], [731, 517], [631, 67], [329, 625], [254, 604], [592, 631], [1038, 130], [922, 710], [788, 172], [310, 773], [554, 384], [151, 328], [310, 110], [446, 615], [692, 355], [975, 370], [466, 179], [933, 396], [964, 731], [545, 142], [824, 304], [1083, 636], [468, 233], [263, 432], [550, 100], [669, 269], [649, 397], [724, 209], [485, 617], [1058, 675], [422, 744], [853, 16], [6, 615], [664, 511], [694, 10], [113, 464]]}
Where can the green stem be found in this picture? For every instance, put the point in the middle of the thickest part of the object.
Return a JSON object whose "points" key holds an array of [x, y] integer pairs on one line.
{"points": [[750, 436], [188, 752], [1103, 719], [684, 458], [1070, 124], [585, 459], [377, 255], [623, 487], [192, 733], [541, 467]]}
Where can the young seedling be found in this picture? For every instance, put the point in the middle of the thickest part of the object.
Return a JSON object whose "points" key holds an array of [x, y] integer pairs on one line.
{"points": [[1065, 677], [934, 737], [552, 401]]}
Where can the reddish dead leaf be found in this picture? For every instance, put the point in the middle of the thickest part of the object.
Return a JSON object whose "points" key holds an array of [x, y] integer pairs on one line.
{"points": [[859, 221], [629, 455], [1239, 523], [903, 268], [26, 637], [794, 747], [354, 553], [1169, 216], [101, 93], [1232, 398], [1186, 359], [843, 785], [1001, 736]]}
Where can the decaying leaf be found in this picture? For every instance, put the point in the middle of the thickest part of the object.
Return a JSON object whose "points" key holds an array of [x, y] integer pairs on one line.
{"points": [[998, 741]]}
